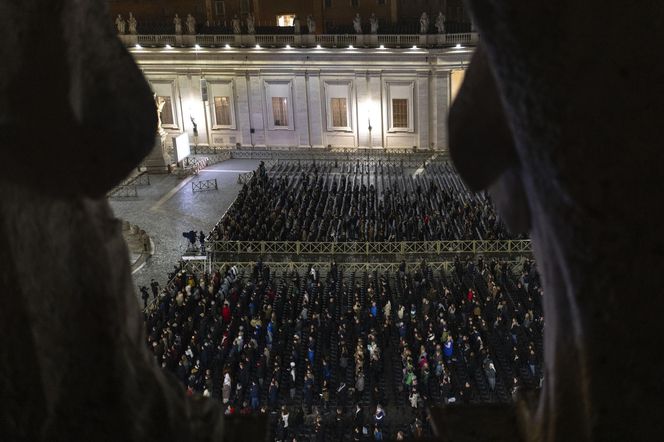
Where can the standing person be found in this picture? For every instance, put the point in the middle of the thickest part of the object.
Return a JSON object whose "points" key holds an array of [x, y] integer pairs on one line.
{"points": [[154, 285], [339, 424], [283, 422], [490, 373], [359, 386], [226, 389], [273, 393], [255, 396], [145, 296], [358, 417], [378, 433], [379, 416], [291, 380]]}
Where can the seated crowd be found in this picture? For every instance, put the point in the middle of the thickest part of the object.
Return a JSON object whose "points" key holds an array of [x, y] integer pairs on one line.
{"points": [[351, 356], [358, 203]]}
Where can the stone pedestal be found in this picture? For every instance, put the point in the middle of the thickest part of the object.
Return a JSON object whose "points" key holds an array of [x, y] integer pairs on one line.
{"points": [[158, 161]]}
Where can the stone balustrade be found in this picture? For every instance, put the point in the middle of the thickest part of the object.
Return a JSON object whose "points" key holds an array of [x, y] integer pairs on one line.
{"points": [[299, 40]]}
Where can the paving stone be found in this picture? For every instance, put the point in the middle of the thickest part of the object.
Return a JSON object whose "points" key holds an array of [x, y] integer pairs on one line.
{"points": [[168, 207]]}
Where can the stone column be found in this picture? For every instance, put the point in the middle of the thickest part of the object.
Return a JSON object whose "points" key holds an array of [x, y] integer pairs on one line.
{"points": [[374, 100], [440, 96], [256, 94], [300, 110], [422, 120], [315, 109], [243, 124]]}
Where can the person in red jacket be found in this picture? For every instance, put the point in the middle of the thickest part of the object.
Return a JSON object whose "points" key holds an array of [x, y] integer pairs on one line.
{"points": [[226, 313]]}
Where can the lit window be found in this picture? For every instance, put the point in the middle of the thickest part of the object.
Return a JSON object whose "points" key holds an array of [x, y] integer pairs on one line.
{"points": [[166, 111], [285, 20], [222, 111], [280, 111], [399, 112], [339, 112]]}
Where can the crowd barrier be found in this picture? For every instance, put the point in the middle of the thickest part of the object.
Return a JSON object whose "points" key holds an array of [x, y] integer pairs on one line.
{"points": [[383, 248]]}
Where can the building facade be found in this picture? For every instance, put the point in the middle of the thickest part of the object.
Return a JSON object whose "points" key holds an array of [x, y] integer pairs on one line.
{"points": [[306, 97]]}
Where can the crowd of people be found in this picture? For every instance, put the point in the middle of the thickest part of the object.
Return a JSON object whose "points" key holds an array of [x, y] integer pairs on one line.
{"points": [[358, 202], [337, 355]]}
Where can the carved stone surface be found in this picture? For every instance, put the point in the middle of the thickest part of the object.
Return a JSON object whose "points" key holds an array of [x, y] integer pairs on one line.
{"points": [[73, 360], [572, 152], [357, 23]]}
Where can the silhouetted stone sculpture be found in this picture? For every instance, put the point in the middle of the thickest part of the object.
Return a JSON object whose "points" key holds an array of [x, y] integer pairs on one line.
{"points": [[191, 24], [571, 151], [177, 23], [131, 22], [236, 25], [311, 24], [373, 21], [120, 24], [357, 23], [74, 361]]}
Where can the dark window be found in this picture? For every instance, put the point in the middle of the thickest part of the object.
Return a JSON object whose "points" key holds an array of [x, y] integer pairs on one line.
{"points": [[328, 3], [399, 112], [355, 3], [381, 2], [219, 8]]}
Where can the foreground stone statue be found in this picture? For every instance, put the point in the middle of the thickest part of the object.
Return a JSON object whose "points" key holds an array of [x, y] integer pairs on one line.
{"points": [[74, 361], [572, 152]]}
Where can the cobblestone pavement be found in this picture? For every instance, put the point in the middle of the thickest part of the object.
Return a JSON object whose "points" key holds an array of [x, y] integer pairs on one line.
{"points": [[167, 207]]}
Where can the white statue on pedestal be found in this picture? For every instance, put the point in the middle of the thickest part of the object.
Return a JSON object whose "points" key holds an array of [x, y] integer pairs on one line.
{"points": [[236, 25], [374, 23], [296, 25], [311, 24], [177, 21], [424, 23], [251, 29], [132, 24], [191, 24], [440, 23], [120, 24], [159, 103], [357, 23]]}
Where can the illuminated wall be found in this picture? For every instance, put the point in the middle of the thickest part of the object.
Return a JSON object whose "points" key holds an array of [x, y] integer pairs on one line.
{"points": [[456, 78], [308, 98]]}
